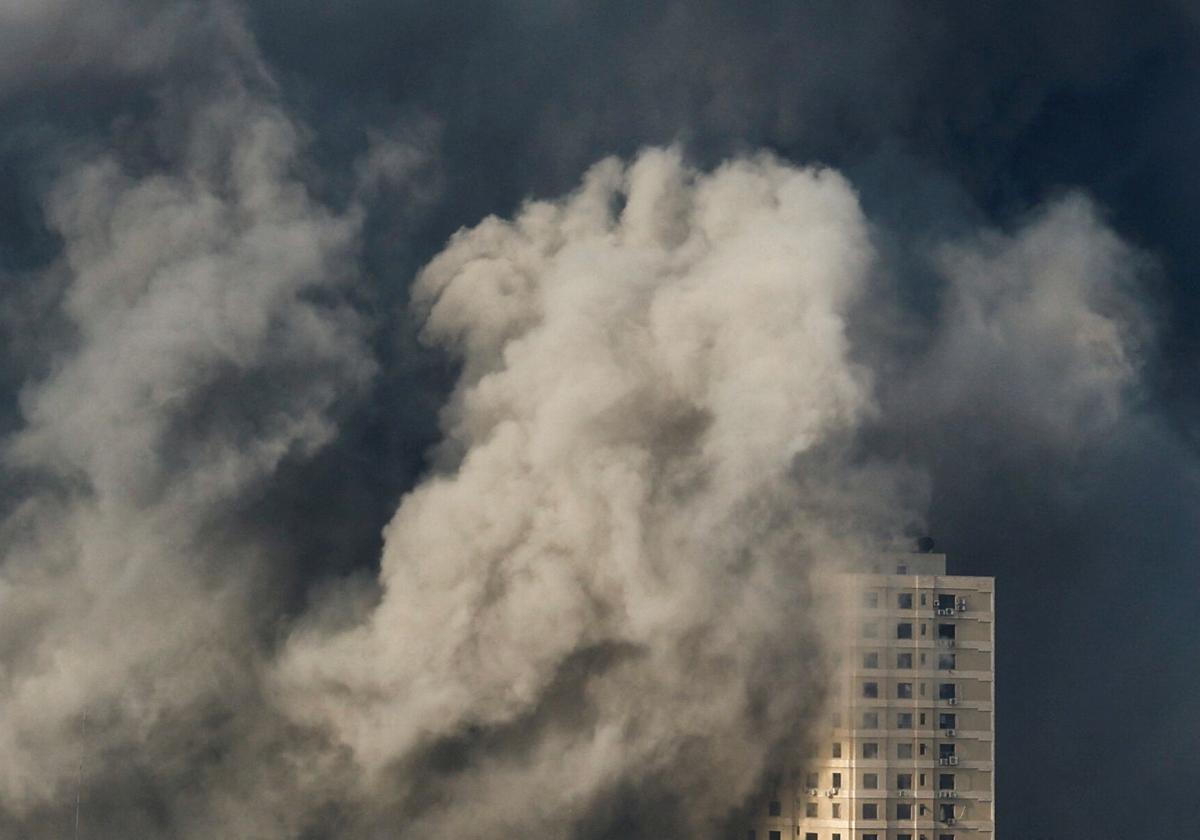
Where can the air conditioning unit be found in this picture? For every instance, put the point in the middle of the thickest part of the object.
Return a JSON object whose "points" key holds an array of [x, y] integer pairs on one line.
{"points": [[953, 701], [945, 611], [947, 794], [947, 761], [949, 733], [949, 821], [953, 761], [814, 792], [902, 792], [832, 792], [962, 604]]}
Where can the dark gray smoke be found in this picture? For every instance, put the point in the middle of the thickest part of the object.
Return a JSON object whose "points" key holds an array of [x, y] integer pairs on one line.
{"points": [[322, 519]]}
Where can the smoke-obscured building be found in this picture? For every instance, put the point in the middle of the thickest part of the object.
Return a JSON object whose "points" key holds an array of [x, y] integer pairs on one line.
{"points": [[908, 753]]}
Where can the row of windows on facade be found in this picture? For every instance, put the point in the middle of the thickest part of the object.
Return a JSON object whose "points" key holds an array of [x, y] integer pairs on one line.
{"points": [[904, 630], [904, 661], [870, 781], [904, 720], [870, 811], [904, 600], [904, 690], [812, 835], [870, 749]]}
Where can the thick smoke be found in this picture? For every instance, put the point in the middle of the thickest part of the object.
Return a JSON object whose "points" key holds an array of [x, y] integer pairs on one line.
{"points": [[199, 339], [651, 458], [675, 398], [647, 467]]}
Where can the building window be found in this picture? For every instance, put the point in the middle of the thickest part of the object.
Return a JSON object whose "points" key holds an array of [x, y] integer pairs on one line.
{"points": [[871, 781], [871, 689], [945, 781], [870, 749], [922, 684], [837, 749], [946, 661], [774, 809], [946, 691], [904, 600], [837, 837], [922, 718], [774, 835], [837, 781], [871, 600], [922, 628], [903, 837], [947, 721], [837, 812], [870, 720], [945, 631], [810, 809], [945, 601], [922, 599], [904, 660], [904, 630], [870, 630], [871, 660], [922, 656], [904, 720], [904, 690], [922, 749], [904, 811], [945, 750], [811, 835], [904, 751], [943, 837], [870, 811], [870, 837], [921, 779], [812, 780], [904, 781], [946, 812]]}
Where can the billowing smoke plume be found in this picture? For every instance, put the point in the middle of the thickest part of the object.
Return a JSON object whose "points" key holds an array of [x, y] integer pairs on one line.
{"points": [[647, 465], [675, 398], [198, 338]]}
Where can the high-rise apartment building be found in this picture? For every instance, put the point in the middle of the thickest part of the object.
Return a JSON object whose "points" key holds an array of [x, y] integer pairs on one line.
{"points": [[908, 753]]}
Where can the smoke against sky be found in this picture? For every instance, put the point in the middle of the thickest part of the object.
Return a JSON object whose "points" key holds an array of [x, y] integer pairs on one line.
{"points": [[441, 421]]}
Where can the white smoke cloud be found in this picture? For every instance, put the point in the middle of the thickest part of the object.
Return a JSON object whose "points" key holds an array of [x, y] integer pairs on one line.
{"points": [[649, 463], [653, 455], [203, 341], [1042, 328], [647, 365]]}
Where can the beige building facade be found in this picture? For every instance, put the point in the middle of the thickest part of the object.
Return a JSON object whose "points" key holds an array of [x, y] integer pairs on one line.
{"points": [[908, 752]]}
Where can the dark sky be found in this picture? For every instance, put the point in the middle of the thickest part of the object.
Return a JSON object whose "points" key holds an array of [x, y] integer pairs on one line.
{"points": [[947, 118]]}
